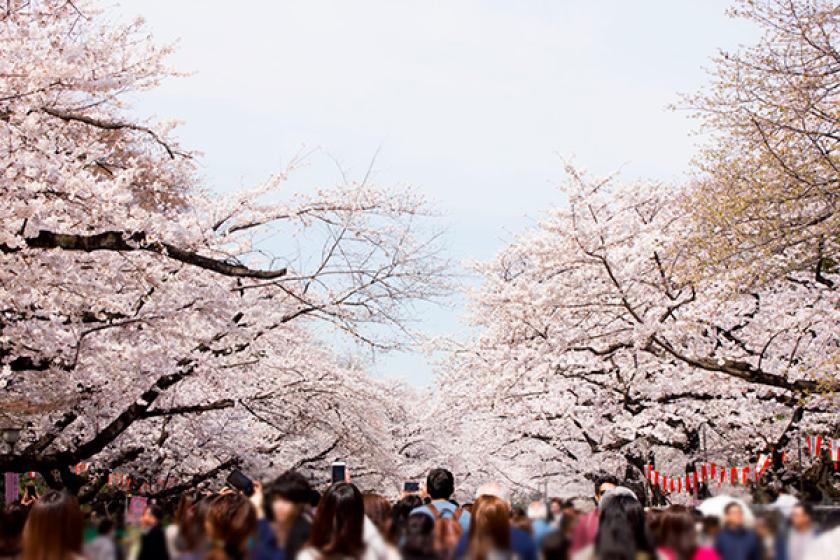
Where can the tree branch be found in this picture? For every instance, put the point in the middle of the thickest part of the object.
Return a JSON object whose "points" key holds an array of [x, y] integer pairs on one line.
{"points": [[121, 241]]}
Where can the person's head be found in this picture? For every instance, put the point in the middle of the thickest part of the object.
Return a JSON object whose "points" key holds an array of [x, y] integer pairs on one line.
{"points": [[555, 507], [555, 546], [378, 510], [710, 526], [418, 540], [192, 531], [338, 525], [231, 520], [603, 483], [286, 497], [802, 517], [53, 528], [12, 520], [440, 484], [622, 532], [612, 493], [152, 515], [519, 519], [400, 514], [568, 523], [489, 527], [185, 503], [676, 531], [569, 507], [537, 510], [733, 515]]}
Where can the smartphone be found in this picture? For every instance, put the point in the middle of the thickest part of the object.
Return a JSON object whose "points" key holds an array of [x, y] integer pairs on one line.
{"points": [[411, 487], [31, 491], [237, 479], [339, 471]]}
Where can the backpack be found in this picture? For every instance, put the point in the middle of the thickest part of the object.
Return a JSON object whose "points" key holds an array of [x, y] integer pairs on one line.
{"points": [[447, 531]]}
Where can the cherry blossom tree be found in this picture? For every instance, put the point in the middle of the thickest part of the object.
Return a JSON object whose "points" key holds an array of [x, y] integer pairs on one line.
{"points": [[159, 325], [765, 200], [592, 353]]}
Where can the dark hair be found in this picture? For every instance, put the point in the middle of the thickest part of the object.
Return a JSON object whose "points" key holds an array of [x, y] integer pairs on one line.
{"points": [[622, 532], [290, 486], [12, 520], [440, 484], [710, 523], [54, 527], [676, 532], [378, 510], [806, 508], [731, 505], [418, 541], [339, 522], [156, 511], [314, 498], [555, 546], [106, 525], [604, 479], [400, 514], [231, 520], [519, 519]]}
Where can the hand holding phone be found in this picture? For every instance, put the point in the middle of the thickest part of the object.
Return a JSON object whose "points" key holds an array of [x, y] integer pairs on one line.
{"points": [[237, 479]]}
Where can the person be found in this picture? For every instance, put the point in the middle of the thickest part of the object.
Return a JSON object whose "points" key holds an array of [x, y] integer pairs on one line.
{"points": [[540, 526], [231, 521], [490, 528], [519, 519], [378, 510], [418, 541], [12, 521], [378, 513], [800, 536], [53, 529], [103, 546], [400, 514], [622, 531], [284, 517], [709, 529], [153, 541], [554, 546], [587, 525], [735, 541], [766, 528], [341, 530], [440, 486], [192, 542], [676, 535], [827, 545], [172, 531], [521, 543], [555, 510]]}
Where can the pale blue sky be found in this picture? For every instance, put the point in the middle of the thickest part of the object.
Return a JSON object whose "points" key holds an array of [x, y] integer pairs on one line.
{"points": [[473, 102]]}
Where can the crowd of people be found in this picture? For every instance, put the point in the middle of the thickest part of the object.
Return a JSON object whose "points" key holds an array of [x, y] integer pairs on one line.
{"points": [[289, 519]]}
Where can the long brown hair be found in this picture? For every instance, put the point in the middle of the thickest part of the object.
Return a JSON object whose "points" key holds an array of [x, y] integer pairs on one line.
{"points": [[378, 510], [54, 528], [489, 527], [231, 520], [676, 532], [339, 523]]}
